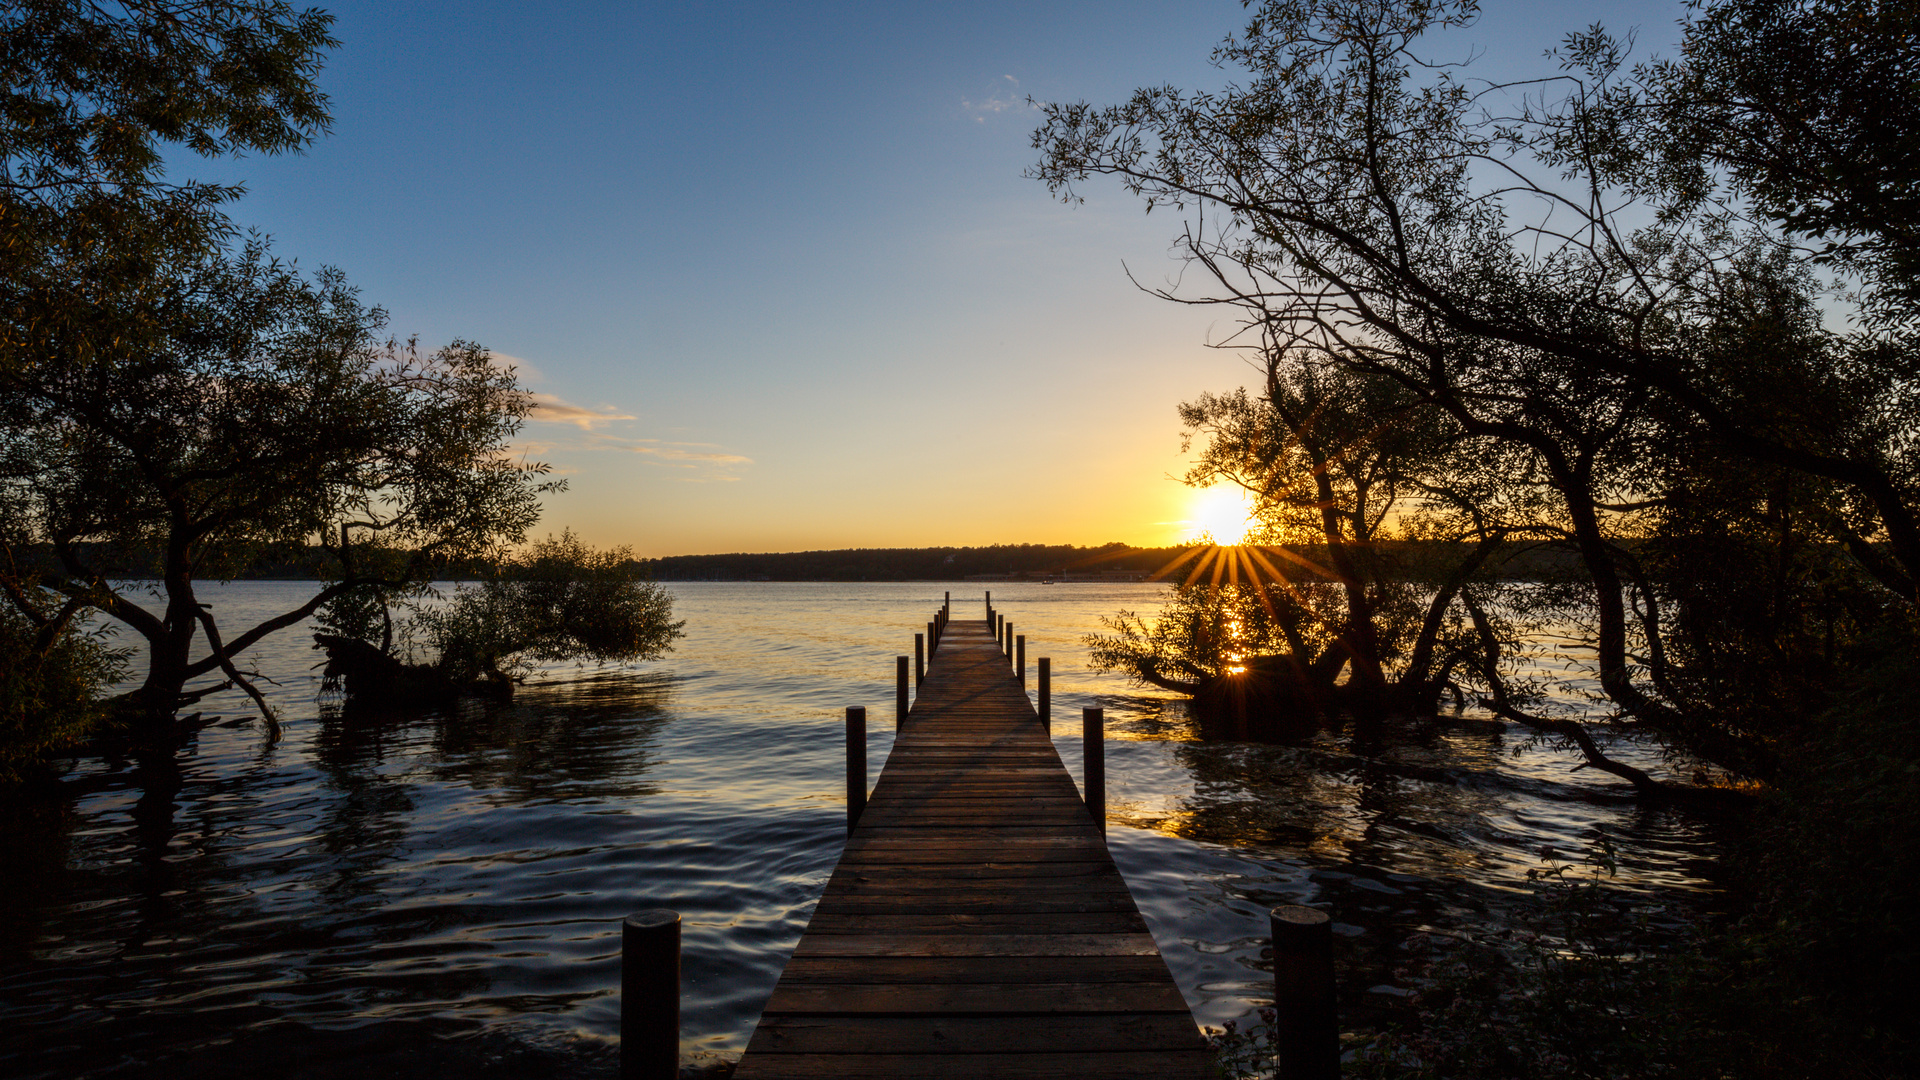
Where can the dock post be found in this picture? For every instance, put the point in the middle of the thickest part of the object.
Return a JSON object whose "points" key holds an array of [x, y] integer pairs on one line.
{"points": [[899, 692], [989, 593], [1020, 660], [856, 764], [1306, 1034], [650, 995], [1093, 737], [1006, 642], [920, 642], [1045, 708]]}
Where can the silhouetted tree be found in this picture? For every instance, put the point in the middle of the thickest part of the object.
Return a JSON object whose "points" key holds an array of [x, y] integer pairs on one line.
{"points": [[91, 97], [264, 410], [1369, 208]]}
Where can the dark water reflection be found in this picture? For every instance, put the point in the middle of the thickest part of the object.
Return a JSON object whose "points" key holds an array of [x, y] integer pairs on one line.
{"points": [[1432, 830], [385, 892]]}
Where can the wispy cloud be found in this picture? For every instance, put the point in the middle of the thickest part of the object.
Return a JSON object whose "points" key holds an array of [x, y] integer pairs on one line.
{"points": [[678, 453], [528, 371], [601, 427], [1004, 96], [553, 410]]}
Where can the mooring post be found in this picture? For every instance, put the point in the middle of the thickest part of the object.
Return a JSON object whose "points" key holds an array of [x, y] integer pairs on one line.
{"points": [[1044, 708], [1020, 660], [989, 607], [650, 995], [920, 656], [856, 764], [1093, 738], [1306, 1034], [899, 692], [1006, 642]]}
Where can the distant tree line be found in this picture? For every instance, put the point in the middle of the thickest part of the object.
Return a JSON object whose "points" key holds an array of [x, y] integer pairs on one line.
{"points": [[911, 564]]}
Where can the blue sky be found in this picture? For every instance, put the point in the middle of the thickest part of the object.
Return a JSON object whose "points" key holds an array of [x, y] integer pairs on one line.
{"points": [[774, 268]]}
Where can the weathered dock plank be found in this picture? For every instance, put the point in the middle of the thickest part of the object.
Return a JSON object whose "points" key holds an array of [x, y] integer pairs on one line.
{"points": [[976, 925]]}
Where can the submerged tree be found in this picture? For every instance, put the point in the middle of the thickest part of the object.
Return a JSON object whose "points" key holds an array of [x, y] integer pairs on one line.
{"points": [[54, 671], [557, 601], [1360, 557], [266, 413]]}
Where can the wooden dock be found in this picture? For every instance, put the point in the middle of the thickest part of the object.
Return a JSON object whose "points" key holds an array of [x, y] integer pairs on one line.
{"points": [[976, 925]]}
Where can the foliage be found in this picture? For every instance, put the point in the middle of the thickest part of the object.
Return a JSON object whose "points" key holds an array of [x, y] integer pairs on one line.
{"points": [[268, 415], [1807, 976], [1810, 109], [52, 676], [90, 96], [1206, 629], [1368, 208], [560, 600], [1836, 921], [1244, 1054]]}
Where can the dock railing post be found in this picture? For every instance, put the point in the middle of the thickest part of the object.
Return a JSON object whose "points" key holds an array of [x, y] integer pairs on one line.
{"points": [[989, 593], [1093, 737], [650, 995], [1006, 642], [856, 764], [920, 642], [899, 692], [1020, 660], [1306, 1034], [1045, 707]]}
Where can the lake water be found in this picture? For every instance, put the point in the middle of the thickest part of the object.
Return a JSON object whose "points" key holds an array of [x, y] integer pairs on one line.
{"points": [[443, 890]]}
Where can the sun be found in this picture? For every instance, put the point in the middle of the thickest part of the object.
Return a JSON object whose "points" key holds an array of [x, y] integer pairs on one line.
{"points": [[1223, 512]]}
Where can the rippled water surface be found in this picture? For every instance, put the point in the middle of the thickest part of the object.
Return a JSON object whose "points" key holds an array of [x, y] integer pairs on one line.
{"points": [[443, 890]]}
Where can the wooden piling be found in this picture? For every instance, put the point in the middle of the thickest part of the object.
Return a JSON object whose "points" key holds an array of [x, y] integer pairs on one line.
{"points": [[856, 764], [1306, 1035], [1020, 660], [920, 656], [650, 995], [1093, 739], [1045, 705], [899, 692]]}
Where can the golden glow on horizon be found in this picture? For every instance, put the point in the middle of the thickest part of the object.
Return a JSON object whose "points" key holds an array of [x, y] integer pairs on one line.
{"points": [[1223, 512]]}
